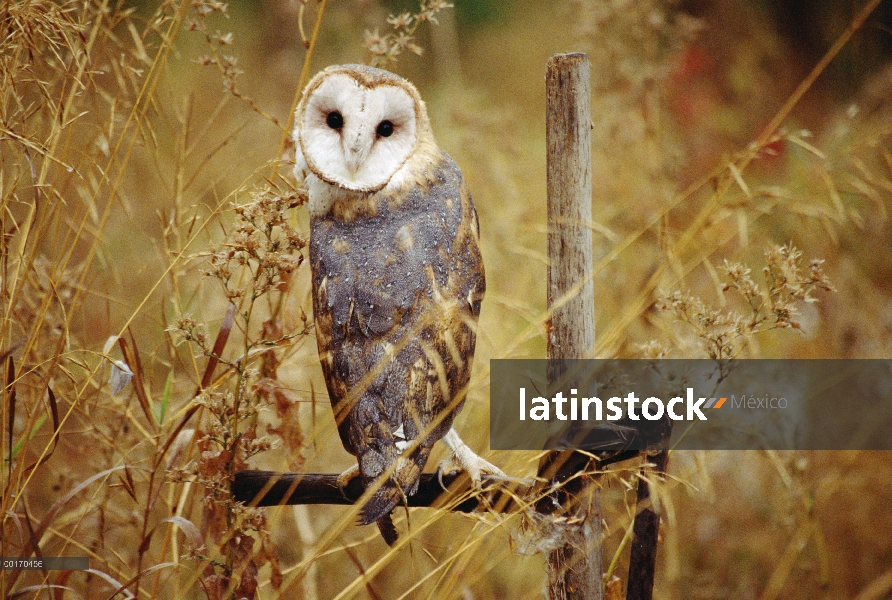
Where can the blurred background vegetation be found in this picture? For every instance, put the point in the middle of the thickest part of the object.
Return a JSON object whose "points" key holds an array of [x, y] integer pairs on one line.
{"points": [[128, 130]]}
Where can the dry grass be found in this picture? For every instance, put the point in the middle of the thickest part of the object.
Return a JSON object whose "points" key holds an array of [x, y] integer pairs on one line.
{"points": [[144, 162]]}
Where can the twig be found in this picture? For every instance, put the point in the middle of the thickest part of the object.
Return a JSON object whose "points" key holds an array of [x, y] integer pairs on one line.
{"points": [[646, 530]]}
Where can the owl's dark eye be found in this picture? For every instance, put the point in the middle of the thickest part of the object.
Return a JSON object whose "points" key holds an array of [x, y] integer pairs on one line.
{"points": [[335, 120], [385, 129]]}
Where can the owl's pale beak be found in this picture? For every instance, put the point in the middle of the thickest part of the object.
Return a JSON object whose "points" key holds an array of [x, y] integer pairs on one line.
{"points": [[354, 160], [355, 153]]}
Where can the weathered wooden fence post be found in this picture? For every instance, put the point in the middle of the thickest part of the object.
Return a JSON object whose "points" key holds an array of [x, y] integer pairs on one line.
{"points": [[575, 566]]}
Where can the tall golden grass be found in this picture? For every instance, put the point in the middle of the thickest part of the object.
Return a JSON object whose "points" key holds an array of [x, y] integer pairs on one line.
{"points": [[150, 226]]}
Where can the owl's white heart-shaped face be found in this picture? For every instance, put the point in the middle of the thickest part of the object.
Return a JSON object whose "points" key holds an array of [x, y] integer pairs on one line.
{"points": [[355, 130]]}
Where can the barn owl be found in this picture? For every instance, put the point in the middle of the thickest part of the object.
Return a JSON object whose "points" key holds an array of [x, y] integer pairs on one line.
{"points": [[397, 279]]}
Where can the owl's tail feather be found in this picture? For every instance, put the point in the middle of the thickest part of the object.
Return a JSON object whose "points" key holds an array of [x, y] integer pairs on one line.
{"points": [[381, 504], [379, 509], [392, 493], [388, 531]]}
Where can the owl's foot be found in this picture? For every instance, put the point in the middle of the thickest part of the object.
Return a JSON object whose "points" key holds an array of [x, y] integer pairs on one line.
{"points": [[344, 478], [464, 459]]}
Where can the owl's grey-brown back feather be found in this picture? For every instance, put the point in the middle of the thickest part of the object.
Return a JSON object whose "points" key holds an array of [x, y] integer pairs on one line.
{"points": [[396, 296]]}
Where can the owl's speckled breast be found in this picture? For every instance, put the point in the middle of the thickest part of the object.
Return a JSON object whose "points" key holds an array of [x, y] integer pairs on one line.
{"points": [[379, 262]]}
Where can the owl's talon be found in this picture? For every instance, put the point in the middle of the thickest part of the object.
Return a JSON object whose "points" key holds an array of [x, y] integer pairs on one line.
{"points": [[440, 476], [344, 478], [464, 459]]}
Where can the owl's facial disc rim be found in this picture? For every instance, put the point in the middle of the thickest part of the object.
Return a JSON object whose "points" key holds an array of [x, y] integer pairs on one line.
{"points": [[356, 156]]}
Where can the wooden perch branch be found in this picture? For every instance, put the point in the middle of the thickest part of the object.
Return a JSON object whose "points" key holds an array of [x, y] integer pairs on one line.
{"points": [[270, 488]]}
